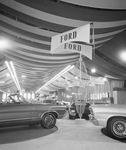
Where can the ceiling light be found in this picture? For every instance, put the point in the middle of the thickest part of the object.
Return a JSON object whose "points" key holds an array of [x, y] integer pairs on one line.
{"points": [[8, 75], [12, 73], [56, 77], [123, 56], [76, 77], [23, 76], [105, 79], [12, 65], [93, 70], [4, 43], [8, 66]]}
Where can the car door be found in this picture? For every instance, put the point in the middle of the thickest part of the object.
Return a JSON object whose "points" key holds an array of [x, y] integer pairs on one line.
{"points": [[14, 112]]}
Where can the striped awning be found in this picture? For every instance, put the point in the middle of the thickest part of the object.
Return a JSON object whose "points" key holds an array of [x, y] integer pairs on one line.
{"points": [[30, 24]]}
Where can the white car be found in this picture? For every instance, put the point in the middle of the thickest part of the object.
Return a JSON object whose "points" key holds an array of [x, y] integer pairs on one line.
{"points": [[111, 116]]}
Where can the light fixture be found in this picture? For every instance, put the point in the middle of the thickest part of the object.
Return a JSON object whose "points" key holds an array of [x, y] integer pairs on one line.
{"points": [[123, 56], [93, 70], [61, 73], [56, 77], [1, 82], [105, 79], [76, 77], [23, 76], [4, 43], [12, 66], [8, 75], [13, 74]]}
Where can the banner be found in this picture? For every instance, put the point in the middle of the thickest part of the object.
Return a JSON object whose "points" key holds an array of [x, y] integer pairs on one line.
{"points": [[81, 34], [85, 50]]}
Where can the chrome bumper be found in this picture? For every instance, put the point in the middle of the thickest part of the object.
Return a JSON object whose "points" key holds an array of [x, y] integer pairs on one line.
{"points": [[93, 120]]}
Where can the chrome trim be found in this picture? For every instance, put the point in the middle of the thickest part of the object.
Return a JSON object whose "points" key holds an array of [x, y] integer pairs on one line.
{"points": [[50, 112], [15, 119]]}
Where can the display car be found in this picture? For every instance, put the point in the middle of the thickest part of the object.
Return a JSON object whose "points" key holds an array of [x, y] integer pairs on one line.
{"points": [[111, 116], [73, 112], [18, 111]]}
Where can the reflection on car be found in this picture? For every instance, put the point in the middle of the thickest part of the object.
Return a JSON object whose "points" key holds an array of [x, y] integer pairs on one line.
{"points": [[18, 111], [111, 116], [48, 101], [73, 113]]}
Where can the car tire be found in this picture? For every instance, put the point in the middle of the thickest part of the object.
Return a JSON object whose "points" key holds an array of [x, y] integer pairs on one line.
{"points": [[48, 121], [117, 128]]}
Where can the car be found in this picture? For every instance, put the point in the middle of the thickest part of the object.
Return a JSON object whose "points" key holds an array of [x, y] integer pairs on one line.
{"points": [[110, 116], [73, 111], [18, 111], [48, 101]]}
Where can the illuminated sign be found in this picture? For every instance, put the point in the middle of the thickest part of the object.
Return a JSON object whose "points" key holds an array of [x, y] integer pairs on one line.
{"points": [[99, 95]]}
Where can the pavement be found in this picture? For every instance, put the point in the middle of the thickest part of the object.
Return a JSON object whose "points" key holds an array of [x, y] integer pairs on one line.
{"points": [[68, 134]]}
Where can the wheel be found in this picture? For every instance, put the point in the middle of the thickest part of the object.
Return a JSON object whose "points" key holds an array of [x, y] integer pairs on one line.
{"points": [[117, 128], [48, 121]]}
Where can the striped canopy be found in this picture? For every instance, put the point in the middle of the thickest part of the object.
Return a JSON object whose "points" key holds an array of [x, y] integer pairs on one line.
{"points": [[29, 25]]}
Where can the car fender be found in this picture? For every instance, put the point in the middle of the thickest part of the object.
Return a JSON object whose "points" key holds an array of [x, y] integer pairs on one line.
{"points": [[103, 121], [113, 116], [54, 112]]}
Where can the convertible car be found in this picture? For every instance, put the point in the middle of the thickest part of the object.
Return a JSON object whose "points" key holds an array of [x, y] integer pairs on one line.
{"points": [[111, 116], [18, 111]]}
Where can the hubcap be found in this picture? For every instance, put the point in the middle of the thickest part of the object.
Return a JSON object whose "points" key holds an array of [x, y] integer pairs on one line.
{"points": [[119, 128], [49, 120]]}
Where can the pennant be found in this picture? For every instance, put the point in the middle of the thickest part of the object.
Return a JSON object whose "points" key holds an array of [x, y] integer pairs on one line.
{"points": [[80, 34], [85, 50]]}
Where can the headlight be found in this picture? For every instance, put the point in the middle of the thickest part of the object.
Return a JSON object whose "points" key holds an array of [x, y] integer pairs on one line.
{"points": [[73, 111]]}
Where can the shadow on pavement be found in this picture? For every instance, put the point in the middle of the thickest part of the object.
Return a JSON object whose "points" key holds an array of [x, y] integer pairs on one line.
{"points": [[23, 133], [104, 131]]}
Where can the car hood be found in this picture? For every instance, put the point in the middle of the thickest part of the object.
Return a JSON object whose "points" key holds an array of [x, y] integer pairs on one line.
{"points": [[115, 108]]}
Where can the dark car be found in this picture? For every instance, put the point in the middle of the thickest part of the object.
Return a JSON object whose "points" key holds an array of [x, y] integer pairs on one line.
{"points": [[74, 109], [18, 111]]}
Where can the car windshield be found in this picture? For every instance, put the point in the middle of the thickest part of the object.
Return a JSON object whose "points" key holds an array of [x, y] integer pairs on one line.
{"points": [[48, 101], [17, 98]]}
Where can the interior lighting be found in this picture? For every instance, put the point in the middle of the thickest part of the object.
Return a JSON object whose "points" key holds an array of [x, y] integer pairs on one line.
{"points": [[29, 96], [105, 79], [33, 95], [123, 56], [8, 66], [60, 74], [56, 77], [76, 77], [23, 76], [8, 75], [12, 66], [12, 74], [25, 95], [4, 43], [93, 70]]}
